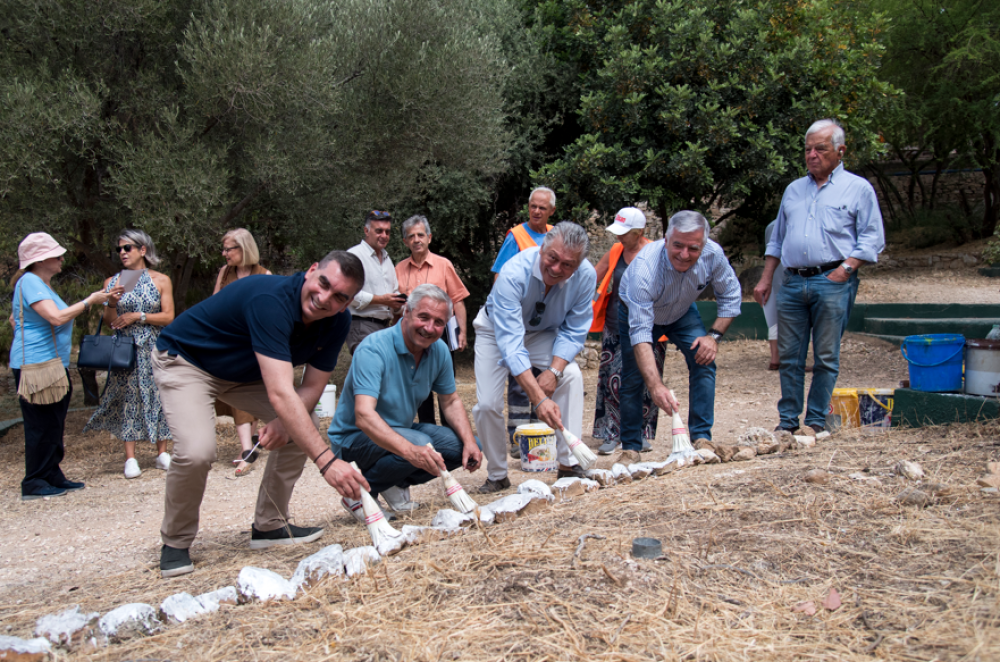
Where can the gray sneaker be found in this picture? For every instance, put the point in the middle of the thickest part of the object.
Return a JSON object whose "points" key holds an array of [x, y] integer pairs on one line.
{"points": [[515, 451], [609, 447], [646, 446], [398, 499], [174, 562]]}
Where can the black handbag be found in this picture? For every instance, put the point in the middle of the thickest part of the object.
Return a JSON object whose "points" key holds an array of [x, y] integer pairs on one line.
{"points": [[112, 353]]}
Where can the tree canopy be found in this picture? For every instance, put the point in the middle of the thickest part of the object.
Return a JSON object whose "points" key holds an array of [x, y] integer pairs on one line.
{"points": [[186, 117], [705, 103], [945, 56]]}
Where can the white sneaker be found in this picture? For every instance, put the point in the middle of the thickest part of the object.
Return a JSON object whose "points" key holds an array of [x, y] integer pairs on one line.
{"points": [[398, 499], [163, 461], [132, 469], [354, 508]]}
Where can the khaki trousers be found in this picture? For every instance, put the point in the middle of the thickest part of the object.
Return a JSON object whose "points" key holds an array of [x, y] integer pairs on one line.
{"points": [[188, 395]]}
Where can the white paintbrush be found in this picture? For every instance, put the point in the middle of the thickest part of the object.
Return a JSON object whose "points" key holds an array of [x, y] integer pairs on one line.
{"points": [[581, 452], [386, 539], [455, 492]]}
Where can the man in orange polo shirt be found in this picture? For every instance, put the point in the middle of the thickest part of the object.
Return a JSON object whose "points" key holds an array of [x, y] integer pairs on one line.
{"points": [[422, 267], [541, 206]]}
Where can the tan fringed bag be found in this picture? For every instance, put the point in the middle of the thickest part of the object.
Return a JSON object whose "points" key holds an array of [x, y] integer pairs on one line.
{"points": [[42, 383]]}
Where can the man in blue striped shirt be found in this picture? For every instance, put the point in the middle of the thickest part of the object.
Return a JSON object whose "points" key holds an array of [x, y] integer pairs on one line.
{"points": [[658, 292], [532, 327], [828, 226]]}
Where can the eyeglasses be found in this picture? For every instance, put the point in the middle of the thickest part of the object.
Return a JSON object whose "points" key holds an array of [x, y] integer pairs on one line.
{"points": [[128, 248], [537, 318], [226, 249]]}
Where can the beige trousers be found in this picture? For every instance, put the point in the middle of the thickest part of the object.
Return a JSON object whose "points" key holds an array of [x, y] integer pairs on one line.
{"points": [[188, 395]]}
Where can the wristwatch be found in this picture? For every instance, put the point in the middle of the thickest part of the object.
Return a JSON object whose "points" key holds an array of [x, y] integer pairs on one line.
{"points": [[142, 317], [557, 373], [715, 335], [848, 269]]}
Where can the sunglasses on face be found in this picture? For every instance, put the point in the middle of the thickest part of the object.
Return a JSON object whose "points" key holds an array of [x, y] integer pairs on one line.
{"points": [[379, 215], [537, 318], [128, 248], [225, 250]]}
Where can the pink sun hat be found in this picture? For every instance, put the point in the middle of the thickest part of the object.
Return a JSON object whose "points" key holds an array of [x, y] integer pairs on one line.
{"points": [[626, 220], [36, 247]]}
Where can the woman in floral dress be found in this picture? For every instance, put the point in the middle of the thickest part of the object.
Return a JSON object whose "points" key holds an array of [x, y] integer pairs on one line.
{"points": [[130, 408]]}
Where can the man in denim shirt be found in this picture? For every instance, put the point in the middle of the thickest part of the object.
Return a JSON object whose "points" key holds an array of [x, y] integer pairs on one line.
{"points": [[828, 226]]}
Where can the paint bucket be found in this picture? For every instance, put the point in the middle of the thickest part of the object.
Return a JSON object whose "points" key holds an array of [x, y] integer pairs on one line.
{"points": [[935, 361], [538, 447], [327, 402], [982, 367], [843, 412], [875, 407]]}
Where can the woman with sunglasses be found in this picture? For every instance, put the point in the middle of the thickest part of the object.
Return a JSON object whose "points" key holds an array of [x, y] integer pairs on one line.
{"points": [[130, 408], [242, 259]]}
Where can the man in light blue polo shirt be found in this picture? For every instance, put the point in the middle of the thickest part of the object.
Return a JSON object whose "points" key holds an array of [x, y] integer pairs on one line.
{"points": [[532, 327], [392, 372], [828, 226]]}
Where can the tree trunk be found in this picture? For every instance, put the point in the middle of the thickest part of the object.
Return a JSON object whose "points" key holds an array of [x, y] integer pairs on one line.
{"points": [[991, 185], [182, 267]]}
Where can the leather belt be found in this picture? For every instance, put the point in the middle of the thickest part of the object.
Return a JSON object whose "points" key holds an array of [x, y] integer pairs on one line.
{"points": [[809, 272]]}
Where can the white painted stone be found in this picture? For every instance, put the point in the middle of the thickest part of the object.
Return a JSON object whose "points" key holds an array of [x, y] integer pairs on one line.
{"points": [[908, 469], [604, 477], [131, 620], [509, 506], [226, 595], [357, 560], [708, 457], [328, 561], [179, 607], [259, 584], [29, 650], [533, 486], [621, 473], [68, 628], [448, 519]]}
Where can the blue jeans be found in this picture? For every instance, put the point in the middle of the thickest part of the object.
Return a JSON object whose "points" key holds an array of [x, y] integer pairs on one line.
{"points": [[701, 378], [816, 307], [383, 469]]}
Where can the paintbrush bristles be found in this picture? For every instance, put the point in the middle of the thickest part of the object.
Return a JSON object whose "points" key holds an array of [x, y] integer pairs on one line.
{"points": [[455, 492], [682, 441], [581, 452], [386, 539]]}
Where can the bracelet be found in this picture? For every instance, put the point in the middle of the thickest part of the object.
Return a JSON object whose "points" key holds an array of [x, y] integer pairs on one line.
{"points": [[535, 408], [322, 472], [316, 459], [86, 305]]}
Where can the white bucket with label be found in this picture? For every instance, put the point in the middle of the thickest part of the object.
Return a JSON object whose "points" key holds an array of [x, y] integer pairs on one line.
{"points": [[327, 402], [537, 442], [982, 367]]}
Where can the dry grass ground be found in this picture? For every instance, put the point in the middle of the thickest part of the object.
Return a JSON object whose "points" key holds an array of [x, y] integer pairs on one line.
{"points": [[744, 544]]}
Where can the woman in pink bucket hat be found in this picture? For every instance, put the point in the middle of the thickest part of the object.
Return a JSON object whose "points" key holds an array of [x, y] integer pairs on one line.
{"points": [[43, 329]]}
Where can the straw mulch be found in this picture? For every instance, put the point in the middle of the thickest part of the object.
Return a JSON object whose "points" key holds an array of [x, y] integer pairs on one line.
{"points": [[744, 544]]}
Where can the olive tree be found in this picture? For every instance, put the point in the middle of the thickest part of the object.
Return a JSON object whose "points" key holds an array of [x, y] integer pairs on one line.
{"points": [[188, 117]]}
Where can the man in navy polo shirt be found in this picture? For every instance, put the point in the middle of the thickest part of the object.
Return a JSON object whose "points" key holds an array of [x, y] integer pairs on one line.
{"points": [[240, 347], [392, 372]]}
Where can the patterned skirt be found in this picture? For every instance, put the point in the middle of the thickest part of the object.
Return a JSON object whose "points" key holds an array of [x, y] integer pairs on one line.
{"points": [[607, 414]]}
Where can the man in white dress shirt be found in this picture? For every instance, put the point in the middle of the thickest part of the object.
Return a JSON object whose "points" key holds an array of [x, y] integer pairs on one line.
{"points": [[374, 307]]}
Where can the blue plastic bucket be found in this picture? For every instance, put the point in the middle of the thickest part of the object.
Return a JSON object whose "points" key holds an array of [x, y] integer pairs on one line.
{"points": [[935, 361]]}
